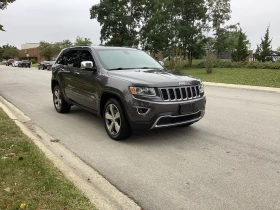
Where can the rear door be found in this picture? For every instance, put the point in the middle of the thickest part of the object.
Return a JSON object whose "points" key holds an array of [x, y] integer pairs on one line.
{"points": [[73, 64]]}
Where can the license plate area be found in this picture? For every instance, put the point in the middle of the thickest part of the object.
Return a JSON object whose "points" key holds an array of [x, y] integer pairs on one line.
{"points": [[186, 108]]}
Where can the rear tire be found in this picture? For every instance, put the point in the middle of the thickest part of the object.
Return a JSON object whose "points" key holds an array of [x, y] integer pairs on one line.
{"points": [[60, 105], [115, 121]]}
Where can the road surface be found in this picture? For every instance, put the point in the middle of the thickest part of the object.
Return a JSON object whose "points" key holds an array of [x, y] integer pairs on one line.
{"points": [[228, 160]]}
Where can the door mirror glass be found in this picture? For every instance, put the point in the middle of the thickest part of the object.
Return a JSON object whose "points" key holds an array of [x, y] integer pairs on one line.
{"points": [[86, 65]]}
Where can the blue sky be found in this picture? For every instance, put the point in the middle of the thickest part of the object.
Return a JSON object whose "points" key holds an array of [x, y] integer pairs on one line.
{"points": [[54, 20]]}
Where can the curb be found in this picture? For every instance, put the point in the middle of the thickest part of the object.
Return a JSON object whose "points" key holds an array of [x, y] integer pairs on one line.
{"points": [[245, 87], [96, 188]]}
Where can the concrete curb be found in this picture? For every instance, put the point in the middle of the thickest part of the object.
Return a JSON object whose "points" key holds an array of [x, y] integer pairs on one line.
{"points": [[96, 188], [246, 87]]}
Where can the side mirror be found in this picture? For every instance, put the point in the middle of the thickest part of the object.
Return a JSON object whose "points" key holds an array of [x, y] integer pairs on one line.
{"points": [[161, 63], [88, 65]]}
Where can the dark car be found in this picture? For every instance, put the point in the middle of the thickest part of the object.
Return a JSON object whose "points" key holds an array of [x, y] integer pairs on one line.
{"points": [[127, 88], [10, 62], [24, 64], [45, 65]]}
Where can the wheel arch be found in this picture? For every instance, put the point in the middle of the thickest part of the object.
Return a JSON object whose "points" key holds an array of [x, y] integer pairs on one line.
{"points": [[105, 97]]}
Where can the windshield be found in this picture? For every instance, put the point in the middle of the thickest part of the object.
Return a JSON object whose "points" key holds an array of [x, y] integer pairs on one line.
{"points": [[120, 59]]}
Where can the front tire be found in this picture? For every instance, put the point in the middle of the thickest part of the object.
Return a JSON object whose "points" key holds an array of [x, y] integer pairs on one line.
{"points": [[115, 122], [60, 105]]}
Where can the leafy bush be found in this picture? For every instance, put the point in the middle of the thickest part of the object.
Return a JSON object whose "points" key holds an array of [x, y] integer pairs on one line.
{"points": [[33, 61], [210, 62], [251, 65]]}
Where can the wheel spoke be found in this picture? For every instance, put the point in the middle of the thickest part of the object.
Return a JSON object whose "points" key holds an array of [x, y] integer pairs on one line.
{"points": [[111, 127], [117, 115], [112, 110], [108, 116], [117, 127], [56, 93]]}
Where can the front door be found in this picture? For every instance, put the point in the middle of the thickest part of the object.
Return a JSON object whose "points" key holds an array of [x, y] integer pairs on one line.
{"points": [[87, 82]]}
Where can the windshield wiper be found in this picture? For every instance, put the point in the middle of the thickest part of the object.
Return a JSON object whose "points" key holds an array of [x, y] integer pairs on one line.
{"points": [[120, 68], [149, 68]]}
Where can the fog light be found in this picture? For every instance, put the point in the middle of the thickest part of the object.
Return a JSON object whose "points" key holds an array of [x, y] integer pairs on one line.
{"points": [[142, 111]]}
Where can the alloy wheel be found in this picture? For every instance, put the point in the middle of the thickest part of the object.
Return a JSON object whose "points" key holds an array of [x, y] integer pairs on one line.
{"points": [[57, 99], [113, 119]]}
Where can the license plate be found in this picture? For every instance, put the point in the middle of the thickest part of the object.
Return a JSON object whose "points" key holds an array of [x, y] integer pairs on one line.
{"points": [[187, 108]]}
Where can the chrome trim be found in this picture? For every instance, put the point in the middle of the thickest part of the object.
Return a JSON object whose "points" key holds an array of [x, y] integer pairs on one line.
{"points": [[138, 107], [193, 93], [180, 123]]}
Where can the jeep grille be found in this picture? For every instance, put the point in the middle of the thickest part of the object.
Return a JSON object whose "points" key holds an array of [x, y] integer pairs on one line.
{"points": [[180, 93]]}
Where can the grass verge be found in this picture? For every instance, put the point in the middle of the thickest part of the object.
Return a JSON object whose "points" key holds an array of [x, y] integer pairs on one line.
{"points": [[34, 65], [26, 176], [254, 77]]}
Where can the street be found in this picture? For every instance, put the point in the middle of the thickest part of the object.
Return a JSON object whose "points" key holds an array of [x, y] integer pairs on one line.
{"points": [[228, 160]]}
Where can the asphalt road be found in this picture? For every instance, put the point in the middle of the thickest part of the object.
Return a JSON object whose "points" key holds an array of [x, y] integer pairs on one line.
{"points": [[228, 160]]}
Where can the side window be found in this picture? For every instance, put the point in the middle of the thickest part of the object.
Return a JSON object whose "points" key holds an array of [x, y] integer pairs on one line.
{"points": [[60, 59], [86, 56], [73, 59]]}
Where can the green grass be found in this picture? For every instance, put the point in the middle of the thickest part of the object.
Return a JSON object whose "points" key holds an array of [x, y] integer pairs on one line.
{"points": [[31, 178], [254, 77], [34, 65], [1, 63]]}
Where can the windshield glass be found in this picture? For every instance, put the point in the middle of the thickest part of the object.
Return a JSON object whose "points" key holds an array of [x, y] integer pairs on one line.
{"points": [[119, 59]]}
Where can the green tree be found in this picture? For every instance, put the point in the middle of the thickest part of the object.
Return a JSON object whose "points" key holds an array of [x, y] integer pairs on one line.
{"points": [[158, 31], [48, 50], [263, 52], [119, 20], [3, 5], [82, 41], [226, 38], [218, 12], [64, 44], [8, 51], [278, 49], [240, 53]]}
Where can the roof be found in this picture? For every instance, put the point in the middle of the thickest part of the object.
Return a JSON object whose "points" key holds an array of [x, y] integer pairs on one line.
{"points": [[97, 47]]}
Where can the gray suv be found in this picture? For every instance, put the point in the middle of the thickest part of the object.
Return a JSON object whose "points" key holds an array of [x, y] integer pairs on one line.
{"points": [[127, 88]]}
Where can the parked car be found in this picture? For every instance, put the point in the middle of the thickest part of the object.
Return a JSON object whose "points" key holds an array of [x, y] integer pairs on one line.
{"points": [[45, 65], [49, 67], [15, 63], [4, 61], [24, 64], [9, 62], [127, 88]]}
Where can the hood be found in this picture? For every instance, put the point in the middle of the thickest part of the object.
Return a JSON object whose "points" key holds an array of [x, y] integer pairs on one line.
{"points": [[154, 78]]}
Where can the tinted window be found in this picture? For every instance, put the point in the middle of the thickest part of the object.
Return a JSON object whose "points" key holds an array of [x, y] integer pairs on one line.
{"points": [[126, 58], [86, 56], [73, 58], [61, 59]]}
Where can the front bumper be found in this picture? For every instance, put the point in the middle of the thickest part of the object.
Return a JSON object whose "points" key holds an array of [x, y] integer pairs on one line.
{"points": [[164, 114]]}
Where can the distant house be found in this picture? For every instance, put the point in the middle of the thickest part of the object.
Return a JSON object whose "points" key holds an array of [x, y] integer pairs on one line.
{"points": [[275, 55]]}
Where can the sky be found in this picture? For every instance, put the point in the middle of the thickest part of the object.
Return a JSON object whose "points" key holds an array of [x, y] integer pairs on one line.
{"points": [[31, 21]]}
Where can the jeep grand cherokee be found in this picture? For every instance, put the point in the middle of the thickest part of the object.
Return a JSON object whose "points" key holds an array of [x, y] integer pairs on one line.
{"points": [[127, 88]]}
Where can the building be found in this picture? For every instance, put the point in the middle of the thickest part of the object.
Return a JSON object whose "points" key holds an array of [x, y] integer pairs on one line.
{"points": [[30, 51], [29, 46]]}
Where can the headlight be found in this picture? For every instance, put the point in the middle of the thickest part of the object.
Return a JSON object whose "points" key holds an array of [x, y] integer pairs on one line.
{"points": [[201, 87], [143, 91]]}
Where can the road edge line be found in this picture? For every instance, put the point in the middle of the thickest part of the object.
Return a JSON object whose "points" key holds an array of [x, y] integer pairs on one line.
{"points": [[101, 193]]}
